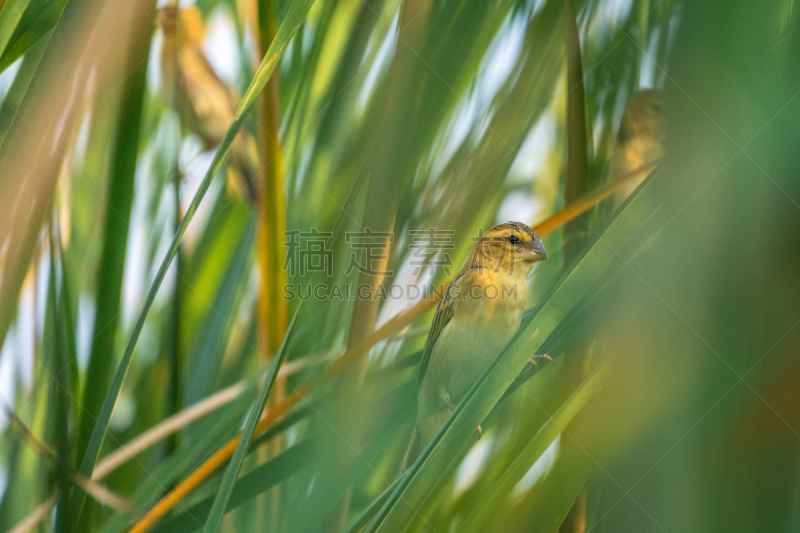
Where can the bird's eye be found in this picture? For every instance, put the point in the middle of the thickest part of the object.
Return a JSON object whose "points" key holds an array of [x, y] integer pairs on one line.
{"points": [[513, 239]]}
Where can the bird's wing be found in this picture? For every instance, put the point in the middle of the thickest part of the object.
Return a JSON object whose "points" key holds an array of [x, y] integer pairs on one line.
{"points": [[444, 312]]}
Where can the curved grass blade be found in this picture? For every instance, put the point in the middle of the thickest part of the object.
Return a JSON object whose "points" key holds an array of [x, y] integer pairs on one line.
{"points": [[29, 31], [534, 449], [190, 452], [115, 234], [114, 247], [369, 511], [209, 346], [42, 511], [223, 398], [248, 486], [549, 504], [60, 383], [229, 479], [293, 19], [13, 98], [576, 179], [29, 154], [10, 15], [291, 419]]}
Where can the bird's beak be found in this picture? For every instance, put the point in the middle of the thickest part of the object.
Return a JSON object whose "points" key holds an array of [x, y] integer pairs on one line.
{"points": [[533, 250]]}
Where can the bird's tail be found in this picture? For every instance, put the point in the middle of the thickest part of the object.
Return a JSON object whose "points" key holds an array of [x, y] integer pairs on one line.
{"points": [[412, 452]]}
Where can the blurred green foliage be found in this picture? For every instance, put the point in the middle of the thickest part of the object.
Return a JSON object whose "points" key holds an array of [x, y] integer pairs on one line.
{"points": [[674, 399]]}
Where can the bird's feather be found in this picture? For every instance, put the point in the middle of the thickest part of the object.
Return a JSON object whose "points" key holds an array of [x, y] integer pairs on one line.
{"points": [[444, 312]]}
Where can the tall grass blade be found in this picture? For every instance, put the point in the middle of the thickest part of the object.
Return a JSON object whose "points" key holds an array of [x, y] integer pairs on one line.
{"points": [[231, 473], [31, 156], [60, 383], [108, 292], [205, 361], [186, 456], [30, 31], [247, 487], [10, 14]]}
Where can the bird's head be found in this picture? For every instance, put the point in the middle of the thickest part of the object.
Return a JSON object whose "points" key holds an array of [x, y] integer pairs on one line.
{"points": [[644, 116], [184, 25], [511, 248], [167, 19]]}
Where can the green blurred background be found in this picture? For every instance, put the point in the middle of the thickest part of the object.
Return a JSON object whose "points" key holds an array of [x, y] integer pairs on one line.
{"points": [[141, 284]]}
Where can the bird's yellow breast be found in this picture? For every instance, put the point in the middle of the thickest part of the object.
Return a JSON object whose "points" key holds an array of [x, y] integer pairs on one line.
{"points": [[479, 329]]}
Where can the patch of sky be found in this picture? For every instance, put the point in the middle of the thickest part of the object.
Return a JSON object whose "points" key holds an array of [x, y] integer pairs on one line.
{"points": [[7, 77], [221, 47]]}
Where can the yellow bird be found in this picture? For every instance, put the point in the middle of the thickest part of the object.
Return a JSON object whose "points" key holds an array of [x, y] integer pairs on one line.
{"points": [[204, 102], [478, 314], [639, 140]]}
